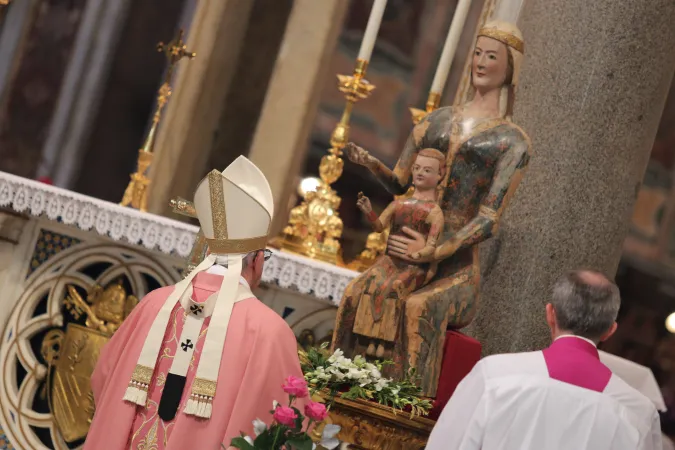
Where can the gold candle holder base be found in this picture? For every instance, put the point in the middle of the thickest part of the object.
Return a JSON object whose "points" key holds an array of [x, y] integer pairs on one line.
{"points": [[314, 227], [433, 102], [136, 194], [369, 425], [376, 244]]}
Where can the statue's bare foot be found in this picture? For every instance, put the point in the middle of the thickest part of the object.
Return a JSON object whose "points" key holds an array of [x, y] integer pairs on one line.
{"points": [[370, 351], [380, 351]]}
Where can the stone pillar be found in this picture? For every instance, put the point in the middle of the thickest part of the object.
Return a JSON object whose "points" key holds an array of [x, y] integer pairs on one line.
{"points": [[39, 47], [80, 93], [15, 24], [280, 142], [594, 81], [187, 130]]}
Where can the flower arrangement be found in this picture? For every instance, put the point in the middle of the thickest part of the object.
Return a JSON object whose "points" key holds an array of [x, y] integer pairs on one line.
{"points": [[286, 432], [358, 378]]}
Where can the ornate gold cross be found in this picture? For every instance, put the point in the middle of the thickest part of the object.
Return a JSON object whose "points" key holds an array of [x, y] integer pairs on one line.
{"points": [[175, 51], [136, 194]]}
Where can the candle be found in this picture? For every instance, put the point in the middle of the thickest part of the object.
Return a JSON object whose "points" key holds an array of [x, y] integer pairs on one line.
{"points": [[372, 28], [450, 46]]}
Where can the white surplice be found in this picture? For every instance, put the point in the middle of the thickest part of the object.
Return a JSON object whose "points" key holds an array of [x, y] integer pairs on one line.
{"points": [[509, 402]]}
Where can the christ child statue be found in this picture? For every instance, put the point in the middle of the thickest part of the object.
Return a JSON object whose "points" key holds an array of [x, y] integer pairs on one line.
{"points": [[387, 283]]}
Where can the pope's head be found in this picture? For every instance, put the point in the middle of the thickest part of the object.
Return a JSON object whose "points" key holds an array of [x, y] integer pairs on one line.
{"points": [[252, 266], [584, 303]]}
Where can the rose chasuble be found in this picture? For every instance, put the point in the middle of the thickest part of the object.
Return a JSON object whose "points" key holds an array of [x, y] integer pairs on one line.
{"points": [[196, 363]]}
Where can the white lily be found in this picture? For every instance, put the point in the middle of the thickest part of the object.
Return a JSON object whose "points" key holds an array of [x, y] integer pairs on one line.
{"points": [[328, 439], [259, 427], [248, 439]]}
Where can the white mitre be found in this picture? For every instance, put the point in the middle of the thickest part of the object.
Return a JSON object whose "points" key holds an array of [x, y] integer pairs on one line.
{"points": [[235, 210]]}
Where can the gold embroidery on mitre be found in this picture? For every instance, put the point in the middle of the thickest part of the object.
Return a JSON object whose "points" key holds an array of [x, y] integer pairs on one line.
{"points": [[237, 245], [505, 38], [201, 386], [218, 213]]}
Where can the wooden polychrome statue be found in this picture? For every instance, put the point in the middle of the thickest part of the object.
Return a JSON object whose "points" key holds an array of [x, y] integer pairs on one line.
{"points": [[485, 156]]}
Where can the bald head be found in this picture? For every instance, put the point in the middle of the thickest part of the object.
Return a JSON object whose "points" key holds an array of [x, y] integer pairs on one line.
{"points": [[593, 278], [586, 303]]}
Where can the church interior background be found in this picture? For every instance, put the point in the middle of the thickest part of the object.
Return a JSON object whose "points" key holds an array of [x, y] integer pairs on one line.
{"points": [[78, 90]]}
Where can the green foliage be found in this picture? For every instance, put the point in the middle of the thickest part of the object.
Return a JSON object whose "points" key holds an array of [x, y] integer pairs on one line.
{"points": [[359, 379]]}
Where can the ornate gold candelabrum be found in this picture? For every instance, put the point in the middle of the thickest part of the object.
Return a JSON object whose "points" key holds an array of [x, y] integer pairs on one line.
{"points": [[376, 243], [315, 226], [136, 194]]}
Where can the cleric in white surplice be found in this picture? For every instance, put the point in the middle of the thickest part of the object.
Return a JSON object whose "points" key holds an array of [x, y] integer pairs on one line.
{"points": [[561, 398]]}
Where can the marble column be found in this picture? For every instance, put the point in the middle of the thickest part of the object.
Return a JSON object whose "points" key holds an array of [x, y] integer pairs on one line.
{"points": [[593, 86], [280, 142], [46, 36], [187, 130], [80, 93]]}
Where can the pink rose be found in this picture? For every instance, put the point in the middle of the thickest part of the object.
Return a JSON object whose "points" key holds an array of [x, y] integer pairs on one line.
{"points": [[285, 416], [316, 411], [297, 387]]}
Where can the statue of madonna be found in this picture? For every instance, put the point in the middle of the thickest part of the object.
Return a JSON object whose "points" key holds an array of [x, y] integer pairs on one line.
{"points": [[486, 155]]}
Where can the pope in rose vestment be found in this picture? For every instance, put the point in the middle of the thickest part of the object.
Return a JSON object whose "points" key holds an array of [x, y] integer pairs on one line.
{"points": [[194, 364]]}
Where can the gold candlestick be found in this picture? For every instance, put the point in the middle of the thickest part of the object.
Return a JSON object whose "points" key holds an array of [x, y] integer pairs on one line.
{"points": [[136, 193], [315, 226], [433, 102]]}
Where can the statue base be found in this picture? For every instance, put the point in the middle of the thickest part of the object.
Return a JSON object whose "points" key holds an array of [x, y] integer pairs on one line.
{"points": [[369, 425]]}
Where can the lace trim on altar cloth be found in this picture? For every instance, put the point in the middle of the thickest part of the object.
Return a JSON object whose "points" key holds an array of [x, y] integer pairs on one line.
{"points": [[87, 213], [289, 271], [320, 279]]}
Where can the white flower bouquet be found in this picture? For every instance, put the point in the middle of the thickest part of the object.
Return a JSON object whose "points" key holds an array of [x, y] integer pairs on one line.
{"points": [[358, 378]]}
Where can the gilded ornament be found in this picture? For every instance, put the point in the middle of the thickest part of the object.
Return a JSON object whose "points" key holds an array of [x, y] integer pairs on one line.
{"points": [[314, 227], [72, 356], [369, 425], [136, 193], [504, 37], [187, 208]]}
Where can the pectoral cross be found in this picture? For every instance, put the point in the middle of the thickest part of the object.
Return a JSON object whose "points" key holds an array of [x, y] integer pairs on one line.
{"points": [[187, 344], [196, 309]]}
